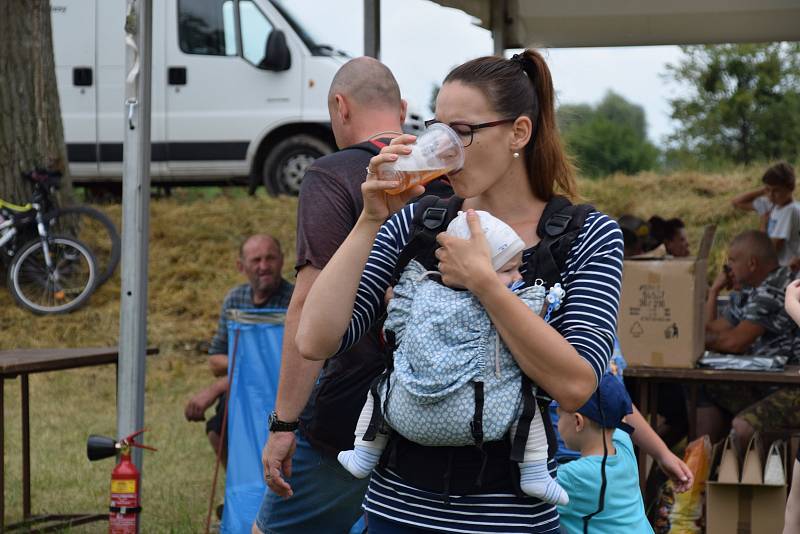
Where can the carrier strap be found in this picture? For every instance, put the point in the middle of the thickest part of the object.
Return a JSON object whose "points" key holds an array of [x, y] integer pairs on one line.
{"points": [[547, 421], [448, 473], [432, 214], [525, 419], [476, 426], [376, 421], [559, 225]]}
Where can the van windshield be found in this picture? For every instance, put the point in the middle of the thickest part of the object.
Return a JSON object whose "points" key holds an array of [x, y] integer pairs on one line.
{"points": [[292, 11]]}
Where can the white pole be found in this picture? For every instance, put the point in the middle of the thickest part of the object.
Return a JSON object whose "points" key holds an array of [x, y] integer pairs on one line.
{"points": [[135, 224]]}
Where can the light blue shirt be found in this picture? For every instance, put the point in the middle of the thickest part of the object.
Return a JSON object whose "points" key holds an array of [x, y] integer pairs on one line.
{"points": [[623, 510]]}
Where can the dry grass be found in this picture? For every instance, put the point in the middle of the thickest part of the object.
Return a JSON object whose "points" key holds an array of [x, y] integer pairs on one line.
{"points": [[192, 256], [192, 253], [697, 198]]}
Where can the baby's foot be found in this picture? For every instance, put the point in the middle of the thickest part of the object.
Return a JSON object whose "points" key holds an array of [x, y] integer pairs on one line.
{"points": [[360, 461], [535, 480]]}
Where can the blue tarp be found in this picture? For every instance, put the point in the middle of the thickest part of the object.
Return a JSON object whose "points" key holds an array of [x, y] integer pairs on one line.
{"points": [[258, 335]]}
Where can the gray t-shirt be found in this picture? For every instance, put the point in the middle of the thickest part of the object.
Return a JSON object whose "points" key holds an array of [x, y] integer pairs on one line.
{"points": [[784, 223]]}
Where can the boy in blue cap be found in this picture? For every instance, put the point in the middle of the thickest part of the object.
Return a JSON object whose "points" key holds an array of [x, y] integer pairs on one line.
{"points": [[603, 485]]}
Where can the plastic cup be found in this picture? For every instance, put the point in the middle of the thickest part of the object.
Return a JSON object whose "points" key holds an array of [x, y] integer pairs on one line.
{"points": [[436, 152]]}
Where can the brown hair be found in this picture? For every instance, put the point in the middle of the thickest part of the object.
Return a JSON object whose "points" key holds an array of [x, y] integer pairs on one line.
{"points": [[780, 175], [523, 86]]}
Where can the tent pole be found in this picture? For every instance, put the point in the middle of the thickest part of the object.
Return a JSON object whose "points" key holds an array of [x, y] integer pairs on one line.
{"points": [[372, 28], [135, 224]]}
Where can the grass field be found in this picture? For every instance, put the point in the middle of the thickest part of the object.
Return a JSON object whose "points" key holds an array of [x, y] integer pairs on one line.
{"points": [[194, 240]]}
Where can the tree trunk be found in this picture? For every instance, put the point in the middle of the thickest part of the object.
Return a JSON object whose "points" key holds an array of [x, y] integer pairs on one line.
{"points": [[31, 133]]}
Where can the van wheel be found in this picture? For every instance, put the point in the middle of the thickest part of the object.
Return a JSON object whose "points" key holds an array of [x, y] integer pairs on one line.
{"points": [[287, 162]]}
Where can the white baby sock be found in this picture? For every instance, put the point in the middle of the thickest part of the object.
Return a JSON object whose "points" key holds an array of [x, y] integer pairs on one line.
{"points": [[535, 480], [360, 461]]}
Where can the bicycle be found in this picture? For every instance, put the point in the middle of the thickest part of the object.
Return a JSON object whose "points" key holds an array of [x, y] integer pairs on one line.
{"points": [[51, 273], [85, 223]]}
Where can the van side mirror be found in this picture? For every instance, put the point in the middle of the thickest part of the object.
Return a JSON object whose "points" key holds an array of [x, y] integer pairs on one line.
{"points": [[276, 55]]}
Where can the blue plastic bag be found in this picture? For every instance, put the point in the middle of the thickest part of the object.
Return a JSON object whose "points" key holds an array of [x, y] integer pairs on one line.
{"points": [[257, 336]]}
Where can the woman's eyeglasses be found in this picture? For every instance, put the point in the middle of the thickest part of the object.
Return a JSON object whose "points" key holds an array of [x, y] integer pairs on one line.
{"points": [[467, 131]]}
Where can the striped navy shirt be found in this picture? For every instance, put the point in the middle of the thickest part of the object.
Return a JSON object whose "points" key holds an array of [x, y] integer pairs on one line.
{"points": [[592, 278]]}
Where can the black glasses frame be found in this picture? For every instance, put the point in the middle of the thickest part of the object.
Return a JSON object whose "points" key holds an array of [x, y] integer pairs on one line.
{"points": [[472, 127]]}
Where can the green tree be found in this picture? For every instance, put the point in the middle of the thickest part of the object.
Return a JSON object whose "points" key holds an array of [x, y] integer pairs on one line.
{"points": [[610, 137], [743, 103]]}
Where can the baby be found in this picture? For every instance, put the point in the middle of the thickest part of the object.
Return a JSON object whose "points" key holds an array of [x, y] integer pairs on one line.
{"points": [[446, 347]]}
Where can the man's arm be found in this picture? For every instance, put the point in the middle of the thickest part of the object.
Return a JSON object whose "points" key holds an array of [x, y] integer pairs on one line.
{"points": [[745, 200], [196, 407], [218, 364], [722, 281], [296, 382], [735, 340]]}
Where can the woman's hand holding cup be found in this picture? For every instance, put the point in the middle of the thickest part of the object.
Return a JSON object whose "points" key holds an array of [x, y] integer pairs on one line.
{"points": [[378, 204]]}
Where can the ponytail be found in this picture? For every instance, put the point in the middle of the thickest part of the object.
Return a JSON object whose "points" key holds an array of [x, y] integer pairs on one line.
{"points": [[521, 86]]}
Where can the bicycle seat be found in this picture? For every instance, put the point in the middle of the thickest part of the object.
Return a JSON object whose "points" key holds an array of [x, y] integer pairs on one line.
{"points": [[43, 177]]}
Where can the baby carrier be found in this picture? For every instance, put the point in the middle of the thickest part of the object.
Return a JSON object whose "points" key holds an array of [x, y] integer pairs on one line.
{"points": [[489, 466]]}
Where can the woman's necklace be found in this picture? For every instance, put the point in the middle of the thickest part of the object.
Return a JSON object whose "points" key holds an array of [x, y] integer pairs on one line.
{"points": [[383, 133]]}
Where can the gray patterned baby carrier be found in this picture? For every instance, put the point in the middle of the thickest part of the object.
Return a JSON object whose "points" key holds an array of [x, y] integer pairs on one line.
{"points": [[559, 225], [451, 367]]}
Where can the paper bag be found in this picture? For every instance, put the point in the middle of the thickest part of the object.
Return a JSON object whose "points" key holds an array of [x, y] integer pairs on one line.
{"points": [[729, 463], [774, 474], [753, 466]]}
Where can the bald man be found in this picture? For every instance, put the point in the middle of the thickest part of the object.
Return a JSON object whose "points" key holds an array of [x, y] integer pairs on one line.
{"points": [[753, 322], [260, 260], [314, 418]]}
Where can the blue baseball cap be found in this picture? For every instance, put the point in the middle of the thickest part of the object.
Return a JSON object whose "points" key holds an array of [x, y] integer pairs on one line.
{"points": [[615, 402]]}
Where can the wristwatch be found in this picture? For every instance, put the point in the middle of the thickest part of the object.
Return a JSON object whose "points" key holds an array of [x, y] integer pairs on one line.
{"points": [[276, 425]]}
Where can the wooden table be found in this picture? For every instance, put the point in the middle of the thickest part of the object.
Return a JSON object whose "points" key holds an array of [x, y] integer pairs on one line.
{"points": [[647, 380], [22, 363]]}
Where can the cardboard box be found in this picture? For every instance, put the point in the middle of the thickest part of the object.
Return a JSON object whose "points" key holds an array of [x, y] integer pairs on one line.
{"points": [[661, 319], [746, 506]]}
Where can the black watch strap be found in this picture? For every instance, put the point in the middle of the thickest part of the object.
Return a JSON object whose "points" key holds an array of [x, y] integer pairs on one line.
{"points": [[276, 425]]}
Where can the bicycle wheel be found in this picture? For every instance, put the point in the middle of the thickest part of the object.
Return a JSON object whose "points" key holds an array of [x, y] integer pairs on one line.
{"points": [[93, 228], [63, 287]]}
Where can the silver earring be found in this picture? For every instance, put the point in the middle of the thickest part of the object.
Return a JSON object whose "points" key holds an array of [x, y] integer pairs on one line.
{"points": [[516, 155]]}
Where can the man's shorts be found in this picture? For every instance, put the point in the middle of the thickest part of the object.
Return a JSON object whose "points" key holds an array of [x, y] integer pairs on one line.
{"points": [[214, 424], [775, 412], [766, 408], [326, 497]]}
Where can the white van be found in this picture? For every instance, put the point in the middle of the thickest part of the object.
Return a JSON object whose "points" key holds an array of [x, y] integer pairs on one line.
{"points": [[239, 90]]}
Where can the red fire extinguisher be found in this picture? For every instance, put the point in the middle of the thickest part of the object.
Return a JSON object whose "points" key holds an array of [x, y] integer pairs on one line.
{"points": [[125, 481]]}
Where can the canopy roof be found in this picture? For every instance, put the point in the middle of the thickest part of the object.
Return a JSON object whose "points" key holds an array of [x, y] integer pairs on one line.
{"points": [[577, 23]]}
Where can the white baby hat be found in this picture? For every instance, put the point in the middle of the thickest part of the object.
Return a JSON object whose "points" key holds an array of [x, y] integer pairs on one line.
{"points": [[504, 243]]}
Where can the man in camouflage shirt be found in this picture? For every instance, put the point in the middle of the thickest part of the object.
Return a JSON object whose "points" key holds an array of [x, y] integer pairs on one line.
{"points": [[754, 322]]}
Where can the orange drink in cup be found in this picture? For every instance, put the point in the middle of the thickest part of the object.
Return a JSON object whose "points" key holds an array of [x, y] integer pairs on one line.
{"points": [[436, 152]]}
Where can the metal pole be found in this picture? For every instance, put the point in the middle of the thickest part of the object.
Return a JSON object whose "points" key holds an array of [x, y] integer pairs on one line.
{"points": [[498, 24], [372, 28], [135, 225]]}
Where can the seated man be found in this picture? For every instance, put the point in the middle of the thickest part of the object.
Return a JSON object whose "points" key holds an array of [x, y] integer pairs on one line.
{"points": [[753, 322], [260, 260]]}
